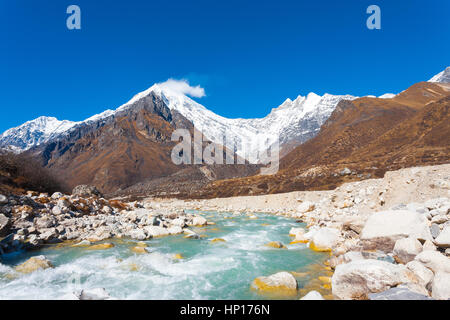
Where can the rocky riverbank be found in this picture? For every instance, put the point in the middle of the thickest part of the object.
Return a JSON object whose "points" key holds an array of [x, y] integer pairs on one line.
{"points": [[388, 238], [33, 220]]}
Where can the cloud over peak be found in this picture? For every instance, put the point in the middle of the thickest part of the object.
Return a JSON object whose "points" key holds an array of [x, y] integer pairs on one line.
{"points": [[182, 86]]}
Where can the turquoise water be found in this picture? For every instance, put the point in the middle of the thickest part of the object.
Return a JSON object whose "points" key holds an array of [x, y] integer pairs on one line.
{"points": [[222, 270]]}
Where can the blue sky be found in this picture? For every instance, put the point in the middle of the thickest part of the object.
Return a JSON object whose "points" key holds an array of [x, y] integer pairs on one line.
{"points": [[248, 55]]}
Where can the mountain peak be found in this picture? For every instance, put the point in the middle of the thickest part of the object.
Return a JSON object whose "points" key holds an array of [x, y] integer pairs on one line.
{"points": [[442, 77]]}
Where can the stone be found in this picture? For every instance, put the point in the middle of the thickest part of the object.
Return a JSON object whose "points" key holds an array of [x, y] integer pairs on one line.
{"points": [[95, 294], [422, 273], [83, 243], [324, 239], [138, 234], [439, 219], [384, 228], [434, 260], [218, 240], [296, 231], [276, 245], [156, 231], [306, 206], [345, 172], [441, 286], [428, 245], [178, 256], [175, 230], [435, 230], [5, 225], [398, 294], [179, 222], [57, 210], [406, 249], [443, 240], [352, 256], [313, 295], [34, 264], [101, 246], [139, 250], [282, 283], [357, 279], [3, 199], [86, 191], [199, 221], [57, 195]]}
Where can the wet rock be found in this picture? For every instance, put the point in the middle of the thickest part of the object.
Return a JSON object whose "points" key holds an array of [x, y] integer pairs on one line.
{"points": [[34, 264], [357, 279], [398, 294], [325, 239], [406, 249], [139, 250], [313, 295], [101, 246], [218, 240], [199, 221], [276, 245], [95, 294], [384, 228], [282, 283]]}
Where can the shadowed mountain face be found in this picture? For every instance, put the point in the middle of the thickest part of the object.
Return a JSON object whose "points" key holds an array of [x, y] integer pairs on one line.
{"points": [[130, 146], [117, 151], [367, 135]]}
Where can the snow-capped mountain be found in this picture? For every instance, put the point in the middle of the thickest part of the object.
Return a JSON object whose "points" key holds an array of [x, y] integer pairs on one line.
{"points": [[442, 77], [34, 132], [293, 121]]}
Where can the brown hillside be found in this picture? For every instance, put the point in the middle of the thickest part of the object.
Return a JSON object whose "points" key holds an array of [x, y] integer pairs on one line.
{"points": [[367, 135]]}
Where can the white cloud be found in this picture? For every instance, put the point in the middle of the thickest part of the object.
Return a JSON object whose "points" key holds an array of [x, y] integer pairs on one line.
{"points": [[183, 87]]}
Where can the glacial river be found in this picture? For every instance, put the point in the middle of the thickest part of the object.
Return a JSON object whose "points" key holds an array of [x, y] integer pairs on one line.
{"points": [[209, 270]]}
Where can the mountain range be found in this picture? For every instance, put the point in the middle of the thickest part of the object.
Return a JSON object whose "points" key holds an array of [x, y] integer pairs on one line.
{"points": [[118, 149]]}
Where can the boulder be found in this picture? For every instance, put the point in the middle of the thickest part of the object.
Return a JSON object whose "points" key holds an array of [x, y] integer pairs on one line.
{"points": [[406, 249], [156, 231], [313, 295], [101, 246], [5, 225], [357, 279], [86, 191], [441, 286], [282, 283], [434, 260], [3, 199], [324, 239], [384, 228], [34, 264], [398, 294], [95, 294], [435, 230], [199, 221], [139, 249], [57, 195], [276, 245], [296, 231], [138, 234], [443, 240], [422, 273], [175, 230]]}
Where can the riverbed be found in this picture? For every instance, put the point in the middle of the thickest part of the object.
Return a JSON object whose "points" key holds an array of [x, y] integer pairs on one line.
{"points": [[175, 267]]}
